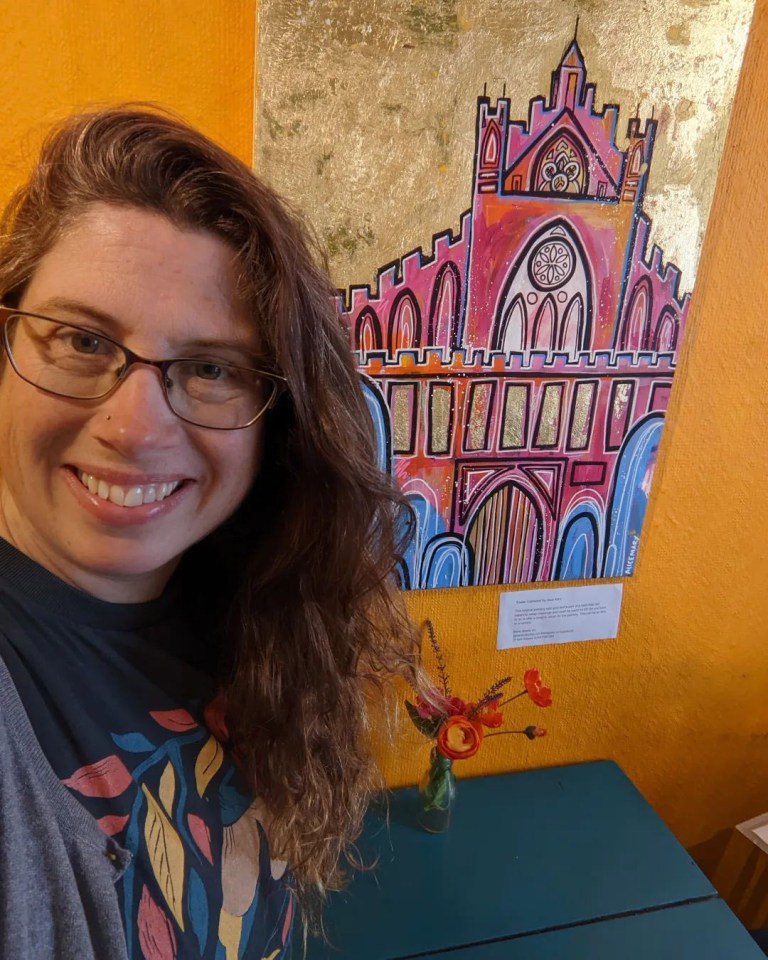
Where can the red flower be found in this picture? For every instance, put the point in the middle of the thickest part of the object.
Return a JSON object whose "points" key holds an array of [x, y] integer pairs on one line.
{"points": [[440, 706], [541, 695], [456, 706], [459, 738], [533, 732], [490, 715]]}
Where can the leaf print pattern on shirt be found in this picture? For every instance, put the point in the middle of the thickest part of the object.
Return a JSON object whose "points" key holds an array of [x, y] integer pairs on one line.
{"points": [[201, 884], [156, 936], [106, 778]]}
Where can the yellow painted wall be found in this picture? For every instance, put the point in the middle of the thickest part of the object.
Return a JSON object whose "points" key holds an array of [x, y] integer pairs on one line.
{"points": [[680, 699], [57, 56]]}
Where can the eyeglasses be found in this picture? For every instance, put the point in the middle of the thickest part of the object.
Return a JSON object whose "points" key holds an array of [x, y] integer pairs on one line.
{"points": [[66, 360]]}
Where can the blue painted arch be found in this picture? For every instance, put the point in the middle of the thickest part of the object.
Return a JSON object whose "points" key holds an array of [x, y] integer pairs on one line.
{"points": [[629, 497], [578, 554]]}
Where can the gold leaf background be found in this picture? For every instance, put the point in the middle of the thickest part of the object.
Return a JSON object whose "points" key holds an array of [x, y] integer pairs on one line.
{"points": [[365, 109]]}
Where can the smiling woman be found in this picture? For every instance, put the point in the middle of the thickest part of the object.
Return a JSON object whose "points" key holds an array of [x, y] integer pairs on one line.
{"points": [[197, 556]]}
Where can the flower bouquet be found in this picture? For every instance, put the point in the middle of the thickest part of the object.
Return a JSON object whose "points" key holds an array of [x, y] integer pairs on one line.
{"points": [[458, 728]]}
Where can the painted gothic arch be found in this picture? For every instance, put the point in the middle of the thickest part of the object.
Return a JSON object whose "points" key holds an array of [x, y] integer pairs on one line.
{"points": [[505, 535], [546, 301], [491, 151], [404, 323], [636, 326], [368, 332], [445, 308], [561, 166], [667, 332]]}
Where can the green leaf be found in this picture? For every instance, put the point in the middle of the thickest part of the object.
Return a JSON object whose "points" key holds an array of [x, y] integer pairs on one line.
{"points": [[437, 794], [428, 727]]}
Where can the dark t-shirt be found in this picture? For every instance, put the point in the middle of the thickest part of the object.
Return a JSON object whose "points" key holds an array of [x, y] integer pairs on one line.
{"points": [[116, 695]]}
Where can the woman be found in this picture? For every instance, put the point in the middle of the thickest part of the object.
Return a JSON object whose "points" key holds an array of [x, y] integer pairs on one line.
{"points": [[196, 562]]}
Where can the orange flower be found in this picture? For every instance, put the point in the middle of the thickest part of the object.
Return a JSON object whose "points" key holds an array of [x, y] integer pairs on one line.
{"points": [[490, 715], [541, 695], [459, 738]]}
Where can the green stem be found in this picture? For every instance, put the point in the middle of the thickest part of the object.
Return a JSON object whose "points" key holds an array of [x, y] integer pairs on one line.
{"points": [[510, 699], [502, 733]]}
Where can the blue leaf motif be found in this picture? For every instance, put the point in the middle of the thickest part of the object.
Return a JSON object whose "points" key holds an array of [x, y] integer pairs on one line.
{"points": [[233, 804], [133, 742], [198, 909]]}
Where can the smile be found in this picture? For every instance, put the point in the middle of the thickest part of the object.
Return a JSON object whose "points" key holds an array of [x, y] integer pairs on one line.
{"points": [[127, 496]]}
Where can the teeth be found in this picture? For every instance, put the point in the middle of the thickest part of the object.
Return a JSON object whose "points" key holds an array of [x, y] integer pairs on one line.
{"points": [[127, 496]]}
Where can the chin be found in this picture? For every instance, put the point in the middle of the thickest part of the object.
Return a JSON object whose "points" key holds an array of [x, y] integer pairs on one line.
{"points": [[127, 562]]}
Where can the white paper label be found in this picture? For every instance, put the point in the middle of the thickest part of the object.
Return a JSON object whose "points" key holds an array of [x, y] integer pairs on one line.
{"points": [[529, 618]]}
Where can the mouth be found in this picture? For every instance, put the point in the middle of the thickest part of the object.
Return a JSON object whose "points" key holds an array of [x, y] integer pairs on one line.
{"points": [[135, 495]]}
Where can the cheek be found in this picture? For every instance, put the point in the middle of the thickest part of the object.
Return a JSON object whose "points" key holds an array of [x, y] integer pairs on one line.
{"points": [[239, 460]]}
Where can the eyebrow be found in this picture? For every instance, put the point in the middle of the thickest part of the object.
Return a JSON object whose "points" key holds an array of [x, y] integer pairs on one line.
{"points": [[81, 310]]}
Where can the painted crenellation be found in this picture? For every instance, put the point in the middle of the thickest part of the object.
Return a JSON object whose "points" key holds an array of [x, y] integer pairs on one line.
{"points": [[479, 362]]}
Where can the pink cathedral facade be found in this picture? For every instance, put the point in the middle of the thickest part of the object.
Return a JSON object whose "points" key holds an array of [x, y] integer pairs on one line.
{"points": [[518, 378]]}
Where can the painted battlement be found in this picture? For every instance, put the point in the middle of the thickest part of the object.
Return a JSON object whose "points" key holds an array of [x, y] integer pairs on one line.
{"points": [[436, 362], [665, 275], [636, 132], [404, 271], [569, 93]]}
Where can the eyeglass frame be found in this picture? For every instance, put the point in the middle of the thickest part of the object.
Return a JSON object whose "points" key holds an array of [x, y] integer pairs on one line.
{"points": [[133, 358]]}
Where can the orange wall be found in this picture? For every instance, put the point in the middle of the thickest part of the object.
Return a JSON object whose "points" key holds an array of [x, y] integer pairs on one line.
{"points": [[194, 56], [680, 699]]}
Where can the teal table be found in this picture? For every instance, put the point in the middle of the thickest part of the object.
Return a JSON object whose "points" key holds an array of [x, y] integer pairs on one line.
{"points": [[569, 859], [706, 930]]}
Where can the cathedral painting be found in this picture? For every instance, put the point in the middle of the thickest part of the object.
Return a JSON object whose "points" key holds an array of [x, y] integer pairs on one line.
{"points": [[518, 375], [512, 195]]}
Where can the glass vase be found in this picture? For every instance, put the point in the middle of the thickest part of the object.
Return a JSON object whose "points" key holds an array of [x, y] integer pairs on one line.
{"points": [[437, 793]]}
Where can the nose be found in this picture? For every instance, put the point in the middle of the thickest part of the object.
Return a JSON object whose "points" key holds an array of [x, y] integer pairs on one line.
{"points": [[136, 415]]}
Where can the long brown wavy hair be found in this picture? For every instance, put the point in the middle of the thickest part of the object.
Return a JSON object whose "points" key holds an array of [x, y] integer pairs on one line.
{"points": [[297, 588]]}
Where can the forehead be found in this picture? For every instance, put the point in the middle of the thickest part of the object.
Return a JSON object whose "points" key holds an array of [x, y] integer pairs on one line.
{"points": [[158, 281]]}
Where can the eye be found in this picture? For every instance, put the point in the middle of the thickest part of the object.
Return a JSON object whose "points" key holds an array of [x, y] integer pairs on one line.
{"points": [[209, 371], [85, 342]]}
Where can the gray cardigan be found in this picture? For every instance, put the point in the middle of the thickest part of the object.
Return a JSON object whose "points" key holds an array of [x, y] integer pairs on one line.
{"points": [[57, 868]]}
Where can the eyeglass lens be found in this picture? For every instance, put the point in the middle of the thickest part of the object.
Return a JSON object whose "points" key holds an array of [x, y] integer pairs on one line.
{"points": [[72, 362]]}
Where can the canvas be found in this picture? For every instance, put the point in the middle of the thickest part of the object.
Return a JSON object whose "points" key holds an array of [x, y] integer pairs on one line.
{"points": [[519, 369]]}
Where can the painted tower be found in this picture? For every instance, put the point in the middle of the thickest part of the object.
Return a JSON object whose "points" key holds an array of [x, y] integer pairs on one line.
{"points": [[518, 378]]}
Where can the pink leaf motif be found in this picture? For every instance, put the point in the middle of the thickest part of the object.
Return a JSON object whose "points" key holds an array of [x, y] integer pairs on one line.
{"points": [[106, 778], [202, 835], [112, 824], [288, 920], [156, 937], [178, 720]]}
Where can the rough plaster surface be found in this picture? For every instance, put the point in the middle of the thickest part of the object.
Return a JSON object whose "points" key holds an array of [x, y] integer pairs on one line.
{"points": [[60, 57]]}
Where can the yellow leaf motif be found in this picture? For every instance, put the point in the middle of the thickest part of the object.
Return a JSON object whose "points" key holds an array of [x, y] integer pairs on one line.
{"points": [[207, 764], [273, 954], [230, 931], [166, 854], [168, 788]]}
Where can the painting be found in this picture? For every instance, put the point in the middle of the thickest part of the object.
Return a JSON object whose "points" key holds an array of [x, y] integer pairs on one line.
{"points": [[518, 371]]}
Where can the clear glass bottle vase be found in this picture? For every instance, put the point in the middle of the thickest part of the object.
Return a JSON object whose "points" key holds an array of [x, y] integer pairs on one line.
{"points": [[437, 793]]}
